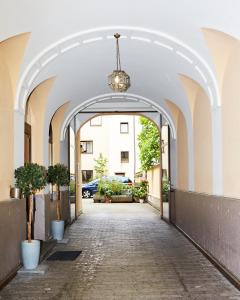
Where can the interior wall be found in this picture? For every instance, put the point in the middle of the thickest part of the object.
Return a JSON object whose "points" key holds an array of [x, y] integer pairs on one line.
{"points": [[202, 134], [182, 181], [36, 115], [202, 130], [56, 131], [11, 55], [231, 125], [227, 65]]}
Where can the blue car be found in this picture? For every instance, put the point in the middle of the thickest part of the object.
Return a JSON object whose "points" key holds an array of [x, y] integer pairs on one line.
{"points": [[90, 188]]}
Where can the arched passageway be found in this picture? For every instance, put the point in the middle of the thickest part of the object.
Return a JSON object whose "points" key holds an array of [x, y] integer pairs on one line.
{"points": [[186, 71]]}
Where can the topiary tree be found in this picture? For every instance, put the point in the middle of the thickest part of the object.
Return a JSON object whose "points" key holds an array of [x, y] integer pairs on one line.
{"points": [[30, 178], [58, 175]]}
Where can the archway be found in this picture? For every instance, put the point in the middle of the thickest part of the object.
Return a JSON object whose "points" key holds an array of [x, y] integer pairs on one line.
{"points": [[154, 175]]}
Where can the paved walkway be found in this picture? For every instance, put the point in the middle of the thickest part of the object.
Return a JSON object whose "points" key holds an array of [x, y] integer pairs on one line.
{"points": [[128, 253]]}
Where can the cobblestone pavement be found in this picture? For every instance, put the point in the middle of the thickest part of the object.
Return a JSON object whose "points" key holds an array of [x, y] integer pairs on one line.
{"points": [[128, 253]]}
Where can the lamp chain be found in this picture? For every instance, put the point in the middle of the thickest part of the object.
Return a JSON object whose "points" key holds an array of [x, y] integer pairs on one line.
{"points": [[118, 54]]}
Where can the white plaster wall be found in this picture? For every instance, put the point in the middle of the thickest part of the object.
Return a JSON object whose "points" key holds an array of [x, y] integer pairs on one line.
{"points": [[108, 140]]}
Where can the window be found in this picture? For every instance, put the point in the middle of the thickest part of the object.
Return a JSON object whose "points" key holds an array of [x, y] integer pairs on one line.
{"points": [[97, 121], [86, 147], [119, 174], [124, 156], [123, 127], [87, 175]]}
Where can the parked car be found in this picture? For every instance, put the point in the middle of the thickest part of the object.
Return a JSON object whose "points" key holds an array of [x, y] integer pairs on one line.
{"points": [[90, 188]]}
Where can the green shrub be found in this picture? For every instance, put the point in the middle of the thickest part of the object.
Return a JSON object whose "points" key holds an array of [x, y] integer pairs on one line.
{"points": [[111, 188], [139, 192], [165, 187], [58, 175], [72, 188], [117, 187], [30, 178]]}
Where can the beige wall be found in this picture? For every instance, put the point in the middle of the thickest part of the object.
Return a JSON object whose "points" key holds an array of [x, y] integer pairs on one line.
{"points": [[202, 137], [231, 125], [11, 55], [153, 177], [56, 128], [227, 65], [154, 181], [36, 114], [182, 146], [202, 134]]}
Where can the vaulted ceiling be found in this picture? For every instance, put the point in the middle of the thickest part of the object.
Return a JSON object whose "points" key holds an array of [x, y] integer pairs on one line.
{"points": [[73, 41]]}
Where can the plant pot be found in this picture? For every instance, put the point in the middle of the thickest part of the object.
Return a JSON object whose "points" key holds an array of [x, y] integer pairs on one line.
{"points": [[141, 201], [15, 193], [58, 229], [30, 254]]}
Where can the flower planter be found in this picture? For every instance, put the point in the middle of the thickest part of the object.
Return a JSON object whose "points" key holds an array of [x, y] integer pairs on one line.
{"points": [[30, 254], [141, 201], [57, 229]]}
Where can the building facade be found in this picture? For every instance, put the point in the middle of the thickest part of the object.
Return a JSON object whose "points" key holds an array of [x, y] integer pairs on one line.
{"points": [[115, 138]]}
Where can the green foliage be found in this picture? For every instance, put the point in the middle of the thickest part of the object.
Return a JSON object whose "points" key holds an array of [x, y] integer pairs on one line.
{"points": [[30, 178], [144, 184], [100, 166], [103, 186], [72, 187], [117, 187], [165, 187], [139, 192], [58, 174], [148, 142], [110, 188]]}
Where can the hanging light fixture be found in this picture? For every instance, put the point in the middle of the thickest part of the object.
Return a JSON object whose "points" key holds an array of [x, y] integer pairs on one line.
{"points": [[119, 81]]}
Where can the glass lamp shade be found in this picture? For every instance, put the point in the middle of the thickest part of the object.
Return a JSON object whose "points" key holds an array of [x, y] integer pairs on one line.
{"points": [[119, 81]]}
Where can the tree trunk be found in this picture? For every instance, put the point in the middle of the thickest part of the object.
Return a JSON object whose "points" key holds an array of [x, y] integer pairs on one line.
{"points": [[58, 204], [29, 224]]}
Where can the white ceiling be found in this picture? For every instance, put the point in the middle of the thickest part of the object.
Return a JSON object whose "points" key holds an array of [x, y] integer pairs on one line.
{"points": [[162, 38]]}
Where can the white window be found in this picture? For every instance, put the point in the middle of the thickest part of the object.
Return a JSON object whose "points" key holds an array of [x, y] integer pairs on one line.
{"points": [[86, 147], [124, 127]]}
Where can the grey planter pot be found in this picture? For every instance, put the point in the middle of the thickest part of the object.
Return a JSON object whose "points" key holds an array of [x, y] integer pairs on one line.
{"points": [[30, 254], [58, 229]]}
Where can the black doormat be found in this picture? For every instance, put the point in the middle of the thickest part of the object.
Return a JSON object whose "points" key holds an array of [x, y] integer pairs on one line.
{"points": [[64, 255]]}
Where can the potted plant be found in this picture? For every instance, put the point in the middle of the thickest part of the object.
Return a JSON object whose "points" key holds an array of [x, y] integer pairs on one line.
{"points": [[30, 178], [139, 194], [58, 175]]}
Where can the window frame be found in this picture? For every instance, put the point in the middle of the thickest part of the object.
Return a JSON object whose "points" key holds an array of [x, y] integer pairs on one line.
{"points": [[86, 175], [124, 123], [124, 160], [85, 152]]}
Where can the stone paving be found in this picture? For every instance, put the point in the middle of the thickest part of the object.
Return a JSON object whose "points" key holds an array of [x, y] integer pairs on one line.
{"points": [[127, 253]]}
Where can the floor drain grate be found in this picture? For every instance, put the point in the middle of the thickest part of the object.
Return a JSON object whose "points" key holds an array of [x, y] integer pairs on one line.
{"points": [[64, 255]]}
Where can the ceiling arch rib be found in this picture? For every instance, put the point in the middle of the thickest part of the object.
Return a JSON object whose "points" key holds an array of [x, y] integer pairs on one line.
{"points": [[143, 35], [100, 98]]}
